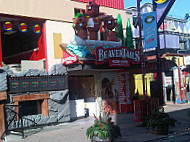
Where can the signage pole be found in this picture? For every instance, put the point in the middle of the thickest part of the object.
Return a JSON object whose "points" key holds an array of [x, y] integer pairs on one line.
{"points": [[159, 73], [140, 44]]}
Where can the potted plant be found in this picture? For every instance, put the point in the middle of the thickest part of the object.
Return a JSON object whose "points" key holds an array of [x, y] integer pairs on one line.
{"points": [[159, 123], [103, 131]]}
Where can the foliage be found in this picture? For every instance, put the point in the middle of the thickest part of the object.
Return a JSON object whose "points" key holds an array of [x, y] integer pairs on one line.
{"points": [[160, 121], [103, 130]]}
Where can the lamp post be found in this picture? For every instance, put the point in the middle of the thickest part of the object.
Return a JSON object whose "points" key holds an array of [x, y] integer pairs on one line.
{"points": [[159, 72], [140, 44]]}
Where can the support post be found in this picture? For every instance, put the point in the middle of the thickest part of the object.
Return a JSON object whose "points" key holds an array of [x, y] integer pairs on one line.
{"points": [[2, 119], [159, 72], [45, 107], [140, 44], [179, 76]]}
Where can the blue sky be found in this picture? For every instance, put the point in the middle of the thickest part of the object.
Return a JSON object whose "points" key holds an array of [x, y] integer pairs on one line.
{"points": [[179, 9]]}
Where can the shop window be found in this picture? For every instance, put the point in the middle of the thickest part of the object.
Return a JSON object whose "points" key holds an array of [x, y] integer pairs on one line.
{"points": [[31, 107], [82, 87], [22, 41]]}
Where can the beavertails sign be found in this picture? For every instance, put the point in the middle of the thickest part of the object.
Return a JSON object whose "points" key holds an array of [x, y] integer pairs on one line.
{"points": [[117, 57]]}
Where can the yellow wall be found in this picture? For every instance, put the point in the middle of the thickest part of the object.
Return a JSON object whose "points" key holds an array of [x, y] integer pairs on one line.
{"points": [[139, 84], [176, 59]]}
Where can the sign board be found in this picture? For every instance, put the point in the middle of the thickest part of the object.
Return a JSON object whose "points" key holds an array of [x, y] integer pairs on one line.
{"points": [[23, 27], [37, 29], [117, 57], [36, 84], [69, 60], [8, 26], [68, 56], [165, 65], [150, 30], [168, 81], [169, 41], [187, 60]]}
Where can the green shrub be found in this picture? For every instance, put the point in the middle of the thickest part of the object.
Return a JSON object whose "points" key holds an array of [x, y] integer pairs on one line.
{"points": [[159, 121], [103, 130]]}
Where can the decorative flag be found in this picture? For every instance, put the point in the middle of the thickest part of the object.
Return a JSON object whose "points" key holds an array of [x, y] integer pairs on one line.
{"points": [[8, 26], [162, 9]]}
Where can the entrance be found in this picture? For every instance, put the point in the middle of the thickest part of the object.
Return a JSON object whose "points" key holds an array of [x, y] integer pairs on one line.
{"points": [[169, 89], [81, 95]]}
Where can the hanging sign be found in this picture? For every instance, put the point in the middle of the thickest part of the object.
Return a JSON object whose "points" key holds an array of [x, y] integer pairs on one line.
{"points": [[187, 60], [117, 57], [150, 30], [37, 29], [23, 27], [8, 26]]}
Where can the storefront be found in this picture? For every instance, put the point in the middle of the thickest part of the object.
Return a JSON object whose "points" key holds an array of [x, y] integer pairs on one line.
{"points": [[21, 39], [96, 84], [100, 68]]}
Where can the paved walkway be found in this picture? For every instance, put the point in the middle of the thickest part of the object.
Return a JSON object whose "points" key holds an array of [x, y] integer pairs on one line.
{"points": [[131, 131]]}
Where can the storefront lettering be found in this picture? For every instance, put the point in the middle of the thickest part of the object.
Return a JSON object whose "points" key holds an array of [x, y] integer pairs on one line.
{"points": [[122, 53], [69, 60]]}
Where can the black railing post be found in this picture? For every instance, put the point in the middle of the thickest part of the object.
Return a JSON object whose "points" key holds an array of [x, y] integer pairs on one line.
{"points": [[21, 117], [5, 119]]}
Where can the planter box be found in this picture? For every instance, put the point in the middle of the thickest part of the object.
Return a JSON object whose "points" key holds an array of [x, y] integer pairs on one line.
{"points": [[97, 139], [158, 131]]}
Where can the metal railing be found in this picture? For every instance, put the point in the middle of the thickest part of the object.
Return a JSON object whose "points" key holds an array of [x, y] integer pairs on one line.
{"points": [[13, 118]]}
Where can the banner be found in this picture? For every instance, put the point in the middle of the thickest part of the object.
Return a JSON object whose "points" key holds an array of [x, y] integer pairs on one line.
{"points": [[150, 30], [162, 9], [116, 91]]}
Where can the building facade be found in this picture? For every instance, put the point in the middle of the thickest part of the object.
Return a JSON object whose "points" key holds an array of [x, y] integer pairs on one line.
{"points": [[174, 47], [31, 35]]}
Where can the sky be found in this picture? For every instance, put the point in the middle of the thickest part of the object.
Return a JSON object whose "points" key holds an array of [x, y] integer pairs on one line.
{"points": [[178, 10]]}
